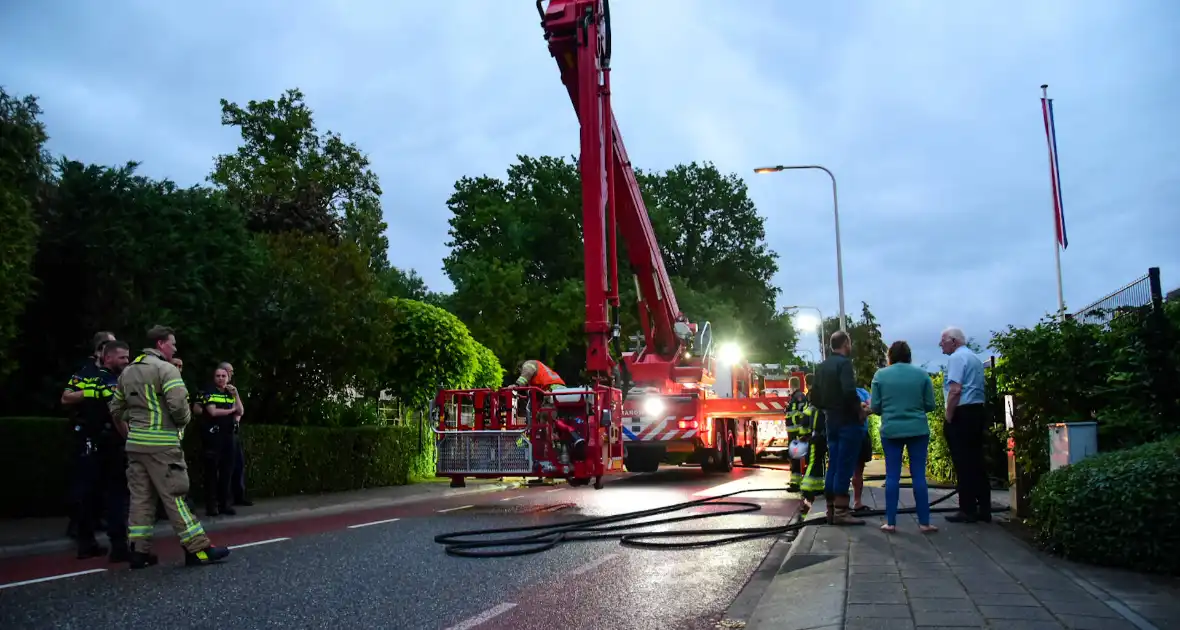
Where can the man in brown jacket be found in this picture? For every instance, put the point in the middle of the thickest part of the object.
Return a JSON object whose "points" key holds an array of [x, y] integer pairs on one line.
{"points": [[153, 402]]}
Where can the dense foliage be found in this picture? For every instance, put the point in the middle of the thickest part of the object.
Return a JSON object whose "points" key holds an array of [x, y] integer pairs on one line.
{"points": [[281, 268], [1118, 509], [869, 350], [517, 265]]}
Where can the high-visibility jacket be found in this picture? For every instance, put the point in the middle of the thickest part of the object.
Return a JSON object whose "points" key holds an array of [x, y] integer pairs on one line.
{"points": [[153, 401], [800, 415], [538, 374]]}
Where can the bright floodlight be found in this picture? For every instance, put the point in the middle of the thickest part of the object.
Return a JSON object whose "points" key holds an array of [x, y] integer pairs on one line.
{"points": [[653, 406], [729, 353], [806, 321]]}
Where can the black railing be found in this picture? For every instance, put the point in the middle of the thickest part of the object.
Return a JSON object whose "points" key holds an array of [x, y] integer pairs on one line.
{"points": [[1143, 291]]}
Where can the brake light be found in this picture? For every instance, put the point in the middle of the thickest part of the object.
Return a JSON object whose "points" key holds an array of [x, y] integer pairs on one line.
{"points": [[687, 424]]}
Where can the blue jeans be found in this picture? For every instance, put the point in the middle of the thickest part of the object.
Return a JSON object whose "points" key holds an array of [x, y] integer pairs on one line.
{"points": [[844, 442], [917, 447]]}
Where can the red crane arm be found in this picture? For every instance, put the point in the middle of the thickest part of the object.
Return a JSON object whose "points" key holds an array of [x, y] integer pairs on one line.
{"points": [[578, 33]]}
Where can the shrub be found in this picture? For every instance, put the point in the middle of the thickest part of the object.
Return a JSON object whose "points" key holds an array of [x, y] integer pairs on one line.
{"points": [[430, 350], [1116, 509], [281, 460], [489, 373], [874, 422]]}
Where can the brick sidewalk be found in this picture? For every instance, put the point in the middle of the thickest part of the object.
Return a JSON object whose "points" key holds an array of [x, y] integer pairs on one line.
{"points": [[976, 576]]}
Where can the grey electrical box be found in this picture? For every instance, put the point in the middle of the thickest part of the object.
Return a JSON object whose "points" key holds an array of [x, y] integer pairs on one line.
{"points": [[1070, 443]]}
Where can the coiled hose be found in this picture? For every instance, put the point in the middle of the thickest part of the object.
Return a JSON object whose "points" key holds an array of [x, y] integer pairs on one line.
{"points": [[522, 541]]}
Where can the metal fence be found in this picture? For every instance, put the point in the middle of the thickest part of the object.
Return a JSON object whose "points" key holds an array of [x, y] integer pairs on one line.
{"points": [[1143, 291]]}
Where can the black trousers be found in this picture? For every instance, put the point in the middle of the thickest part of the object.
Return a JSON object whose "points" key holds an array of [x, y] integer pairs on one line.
{"points": [[103, 490], [964, 436], [219, 469], [239, 477]]}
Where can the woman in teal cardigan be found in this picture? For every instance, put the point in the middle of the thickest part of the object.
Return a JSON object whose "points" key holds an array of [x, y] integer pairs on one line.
{"points": [[902, 395]]}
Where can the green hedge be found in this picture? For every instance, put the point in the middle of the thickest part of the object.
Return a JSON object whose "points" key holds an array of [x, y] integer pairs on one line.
{"points": [[1116, 509], [281, 461]]}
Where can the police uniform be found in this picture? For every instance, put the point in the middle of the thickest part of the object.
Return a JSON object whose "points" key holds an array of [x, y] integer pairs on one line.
{"points": [[218, 446], [152, 399], [100, 464]]}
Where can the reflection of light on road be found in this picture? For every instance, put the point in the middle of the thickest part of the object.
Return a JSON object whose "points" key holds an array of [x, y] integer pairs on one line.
{"points": [[747, 483]]}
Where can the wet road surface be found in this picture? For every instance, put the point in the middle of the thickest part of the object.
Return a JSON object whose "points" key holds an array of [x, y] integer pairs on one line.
{"points": [[381, 568]]}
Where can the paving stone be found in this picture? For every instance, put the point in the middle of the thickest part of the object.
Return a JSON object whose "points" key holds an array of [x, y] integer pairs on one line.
{"points": [[1091, 608], [970, 619], [864, 569], [882, 577], [892, 611], [1015, 612], [928, 587], [1082, 622], [1004, 599], [941, 604], [1025, 624], [879, 593], [992, 586], [1068, 594], [878, 623]]}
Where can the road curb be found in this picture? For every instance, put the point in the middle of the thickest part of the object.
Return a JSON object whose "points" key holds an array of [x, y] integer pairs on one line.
{"points": [[263, 518]]}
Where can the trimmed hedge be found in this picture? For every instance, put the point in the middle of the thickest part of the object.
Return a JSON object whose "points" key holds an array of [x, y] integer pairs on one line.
{"points": [[1116, 509], [281, 461]]}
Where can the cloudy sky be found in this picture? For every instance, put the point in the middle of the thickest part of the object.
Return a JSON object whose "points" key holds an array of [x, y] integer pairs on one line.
{"points": [[928, 113]]}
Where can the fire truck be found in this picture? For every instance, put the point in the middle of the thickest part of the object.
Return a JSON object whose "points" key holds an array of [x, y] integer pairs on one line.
{"points": [[676, 391], [773, 439]]}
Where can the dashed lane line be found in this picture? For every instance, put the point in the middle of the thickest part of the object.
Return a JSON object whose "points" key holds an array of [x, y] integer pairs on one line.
{"points": [[593, 564], [482, 617], [455, 509], [258, 542], [50, 578], [381, 522]]}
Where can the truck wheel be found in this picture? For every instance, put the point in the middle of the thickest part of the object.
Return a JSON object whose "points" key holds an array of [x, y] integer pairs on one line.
{"points": [[724, 448], [748, 458]]}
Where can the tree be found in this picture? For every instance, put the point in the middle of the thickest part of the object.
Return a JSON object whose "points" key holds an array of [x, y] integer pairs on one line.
{"points": [[291, 178], [122, 252], [430, 349], [23, 169], [869, 351], [517, 260]]}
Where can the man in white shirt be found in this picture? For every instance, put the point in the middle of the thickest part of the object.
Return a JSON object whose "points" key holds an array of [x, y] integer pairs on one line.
{"points": [[963, 387]]}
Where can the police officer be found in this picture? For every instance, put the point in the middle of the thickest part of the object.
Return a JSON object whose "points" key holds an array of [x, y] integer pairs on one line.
{"points": [[74, 394], [100, 459], [238, 484], [153, 401], [220, 406]]}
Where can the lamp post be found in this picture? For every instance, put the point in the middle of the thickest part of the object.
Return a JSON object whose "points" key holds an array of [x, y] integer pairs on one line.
{"points": [[836, 213], [819, 329]]}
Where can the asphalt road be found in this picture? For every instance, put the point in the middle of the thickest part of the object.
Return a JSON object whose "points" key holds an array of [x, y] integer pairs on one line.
{"points": [[381, 569]]}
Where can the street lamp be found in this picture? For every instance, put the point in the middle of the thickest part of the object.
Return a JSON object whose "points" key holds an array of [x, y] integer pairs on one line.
{"points": [[836, 213], [819, 327]]}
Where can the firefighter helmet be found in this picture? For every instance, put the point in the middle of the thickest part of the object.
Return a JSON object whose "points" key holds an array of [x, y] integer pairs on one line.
{"points": [[797, 449]]}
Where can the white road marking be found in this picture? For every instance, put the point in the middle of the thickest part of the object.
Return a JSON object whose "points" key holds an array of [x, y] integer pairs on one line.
{"points": [[554, 490], [388, 520], [512, 498], [454, 509], [594, 564], [50, 578], [486, 615], [258, 542]]}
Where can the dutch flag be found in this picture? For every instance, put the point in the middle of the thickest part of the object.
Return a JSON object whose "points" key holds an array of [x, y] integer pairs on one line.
{"points": [[1054, 172]]}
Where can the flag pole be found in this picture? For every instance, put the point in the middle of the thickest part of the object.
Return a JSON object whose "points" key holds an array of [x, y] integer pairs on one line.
{"points": [[1056, 211]]}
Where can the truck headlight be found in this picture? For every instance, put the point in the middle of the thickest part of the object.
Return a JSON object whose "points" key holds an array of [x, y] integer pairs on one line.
{"points": [[653, 406]]}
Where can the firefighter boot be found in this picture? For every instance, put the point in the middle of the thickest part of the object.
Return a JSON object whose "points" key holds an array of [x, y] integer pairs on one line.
{"points": [[90, 549], [842, 515], [208, 555]]}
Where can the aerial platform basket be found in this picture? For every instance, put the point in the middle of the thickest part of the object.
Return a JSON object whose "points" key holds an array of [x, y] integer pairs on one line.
{"points": [[573, 434]]}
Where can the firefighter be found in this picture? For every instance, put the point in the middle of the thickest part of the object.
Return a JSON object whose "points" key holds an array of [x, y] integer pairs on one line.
{"points": [[220, 406], [536, 374], [797, 408], [812, 484], [153, 401], [100, 460], [533, 373]]}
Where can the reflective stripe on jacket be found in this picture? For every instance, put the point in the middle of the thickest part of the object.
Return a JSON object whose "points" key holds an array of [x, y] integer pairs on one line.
{"points": [[538, 374], [153, 400]]}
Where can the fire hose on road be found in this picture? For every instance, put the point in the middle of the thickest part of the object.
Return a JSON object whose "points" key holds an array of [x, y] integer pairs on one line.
{"points": [[521, 541]]}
